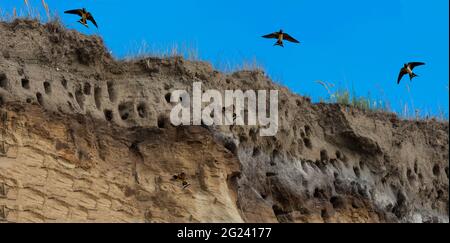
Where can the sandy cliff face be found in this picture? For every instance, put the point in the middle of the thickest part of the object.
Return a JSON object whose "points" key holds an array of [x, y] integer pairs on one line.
{"points": [[86, 138]]}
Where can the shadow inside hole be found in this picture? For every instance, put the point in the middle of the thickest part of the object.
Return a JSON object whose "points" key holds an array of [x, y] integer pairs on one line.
{"points": [[163, 122], [125, 110], [3, 81], [47, 88], [167, 97], [98, 97], [142, 110], [64, 83], [436, 170], [357, 171], [87, 88], [111, 91], [70, 106], [307, 143], [25, 83], [40, 99], [256, 152], [79, 97], [108, 115]]}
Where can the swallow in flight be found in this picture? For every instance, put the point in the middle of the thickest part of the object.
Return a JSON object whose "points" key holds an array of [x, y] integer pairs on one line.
{"points": [[85, 16], [280, 36], [408, 69]]}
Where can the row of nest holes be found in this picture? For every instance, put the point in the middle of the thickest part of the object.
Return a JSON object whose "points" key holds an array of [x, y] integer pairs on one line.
{"points": [[162, 122], [39, 98], [168, 97], [126, 110], [86, 89], [47, 86], [26, 85]]}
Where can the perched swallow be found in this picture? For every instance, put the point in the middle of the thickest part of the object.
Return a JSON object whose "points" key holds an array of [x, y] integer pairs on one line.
{"points": [[408, 69], [183, 178], [185, 184], [280, 35], [85, 16]]}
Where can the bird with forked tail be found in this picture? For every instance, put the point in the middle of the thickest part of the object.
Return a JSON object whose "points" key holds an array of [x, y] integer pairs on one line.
{"points": [[85, 16], [408, 69], [280, 36]]}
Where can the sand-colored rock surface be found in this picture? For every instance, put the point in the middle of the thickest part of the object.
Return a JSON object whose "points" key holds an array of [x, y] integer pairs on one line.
{"points": [[86, 138]]}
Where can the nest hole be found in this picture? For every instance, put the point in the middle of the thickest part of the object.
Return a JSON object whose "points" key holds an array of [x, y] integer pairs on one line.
{"points": [[64, 83], [87, 88], [47, 88], [79, 97], [125, 110], [308, 130], [25, 83], [167, 97], [108, 115], [40, 98], [436, 170], [98, 97], [357, 171], [142, 110], [308, 143], [231, 146], [3, 81], [111, 91], [256, 152], [324, 155], [163, 122]]}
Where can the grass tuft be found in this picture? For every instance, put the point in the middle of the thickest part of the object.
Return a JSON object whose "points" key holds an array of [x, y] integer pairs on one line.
{"points": [[143, 50], [345, 97], [251, 64], [27, 11], [407, 111]]}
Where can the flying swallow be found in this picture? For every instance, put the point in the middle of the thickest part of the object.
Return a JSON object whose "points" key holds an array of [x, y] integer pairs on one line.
{"points": [[85, 16], [280, 36], [408, 69]]}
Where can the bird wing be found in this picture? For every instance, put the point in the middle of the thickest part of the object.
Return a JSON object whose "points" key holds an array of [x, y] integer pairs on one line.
{"points": [[78, 12], [415, 64], [290, 38], [91, 18], [272, 36], [400, 76]]}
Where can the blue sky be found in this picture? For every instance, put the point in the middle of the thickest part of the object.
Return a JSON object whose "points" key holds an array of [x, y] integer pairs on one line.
{"points": [[354, 44]]}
